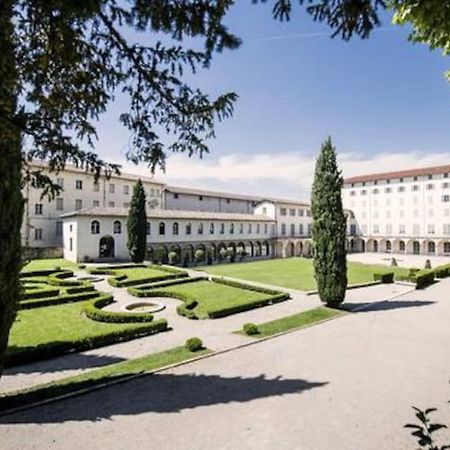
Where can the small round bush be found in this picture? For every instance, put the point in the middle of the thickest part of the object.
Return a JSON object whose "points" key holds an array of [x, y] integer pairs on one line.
{"points": [[58, 268], [250, 329], [427, 264], [82, 266], [194, 344]]}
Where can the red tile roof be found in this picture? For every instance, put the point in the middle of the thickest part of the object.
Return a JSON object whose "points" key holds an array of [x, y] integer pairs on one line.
{"points": [[400, 173]]}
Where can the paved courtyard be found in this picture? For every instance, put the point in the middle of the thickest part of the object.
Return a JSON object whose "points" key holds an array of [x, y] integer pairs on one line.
{"points": [[403, 260], [345, 384]]}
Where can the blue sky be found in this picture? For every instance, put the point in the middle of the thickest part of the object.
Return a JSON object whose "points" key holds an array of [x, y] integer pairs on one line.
{"points": [[383, 100]]}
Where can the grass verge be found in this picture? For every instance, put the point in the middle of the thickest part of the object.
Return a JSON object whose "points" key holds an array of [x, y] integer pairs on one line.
{"points": [[296, 321], [295, 273], [111, 373]]}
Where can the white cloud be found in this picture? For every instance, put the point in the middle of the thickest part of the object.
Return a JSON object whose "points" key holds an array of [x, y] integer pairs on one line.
{"points": [[282, 174]]}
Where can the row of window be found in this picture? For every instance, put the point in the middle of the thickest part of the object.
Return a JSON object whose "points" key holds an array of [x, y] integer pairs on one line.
{"points": [[111, 187], [117, 228], [301, 230], [431, 229], [294, 212], [401, 180], [388, 190], [39, 207]]}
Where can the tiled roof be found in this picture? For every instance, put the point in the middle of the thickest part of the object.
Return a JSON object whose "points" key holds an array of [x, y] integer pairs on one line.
{"points": [[123, 175], [230, 195], [98, 211], [436, 170]]}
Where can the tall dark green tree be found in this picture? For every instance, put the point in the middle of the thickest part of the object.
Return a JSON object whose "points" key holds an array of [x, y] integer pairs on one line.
{"points": [[329, 228], [62, 62], [137, 224]]}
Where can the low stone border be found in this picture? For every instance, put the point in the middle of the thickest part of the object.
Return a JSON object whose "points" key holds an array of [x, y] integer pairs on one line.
{"points": [[157, 307]]}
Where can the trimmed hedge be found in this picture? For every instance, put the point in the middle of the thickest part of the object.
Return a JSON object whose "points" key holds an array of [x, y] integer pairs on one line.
{"points": [[50, 350], [143, 290], [424, 278], [246, 286], [38, 273], [186, 309], [122, 281], [93, 310], [169, 269], [109, 269], [59, 300], [44, 292], [214, 314], [384, 277], [442, 271], [59, 279]]}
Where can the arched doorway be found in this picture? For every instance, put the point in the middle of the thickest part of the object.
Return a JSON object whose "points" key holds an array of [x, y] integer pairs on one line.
{"points": [[388, 246], [106, 247], [363, 246], [416, 247], [431, 247], [375, 246]]}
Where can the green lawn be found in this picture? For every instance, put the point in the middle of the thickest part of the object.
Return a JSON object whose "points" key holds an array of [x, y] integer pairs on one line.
{"points": [[140, 273], [294, 273], [92, 378], [213, 296], [44, 264], [51, 330], [296, 321]]}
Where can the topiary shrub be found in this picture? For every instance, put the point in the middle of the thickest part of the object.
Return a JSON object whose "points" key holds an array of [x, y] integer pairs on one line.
{"points": [[386, 277], [394, 262], [194, 344], [222, 253], [427, 264], [250, 329], [199, 255], [174, 258]]}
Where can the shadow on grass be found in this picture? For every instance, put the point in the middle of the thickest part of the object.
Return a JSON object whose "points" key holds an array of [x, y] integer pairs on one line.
{"points": [[384, 305], [161, 393], [64, 362]]}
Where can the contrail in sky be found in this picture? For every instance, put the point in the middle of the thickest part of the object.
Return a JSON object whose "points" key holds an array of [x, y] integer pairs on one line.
{"points": [[313, 35]]}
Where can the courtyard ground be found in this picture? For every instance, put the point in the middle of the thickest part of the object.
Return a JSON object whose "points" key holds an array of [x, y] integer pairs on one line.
{"points": [[345, 384]]}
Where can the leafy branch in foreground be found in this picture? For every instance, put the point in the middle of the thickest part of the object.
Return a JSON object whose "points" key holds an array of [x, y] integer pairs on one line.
{"points": [[424, 432]]}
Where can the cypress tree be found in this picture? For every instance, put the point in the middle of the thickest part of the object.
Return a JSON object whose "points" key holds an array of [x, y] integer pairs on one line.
{"points": [[329, 228], [137, 224]]}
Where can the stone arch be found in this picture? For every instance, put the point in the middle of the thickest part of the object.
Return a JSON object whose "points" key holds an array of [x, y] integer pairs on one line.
{"points": [[266, 248], [106, 247], [443, 247], [258, 248], [299, 248]]}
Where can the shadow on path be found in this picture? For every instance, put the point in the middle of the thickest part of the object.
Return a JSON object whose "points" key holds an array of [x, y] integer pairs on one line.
{"points": [[64, 362], [384, 305], [161, 393]]}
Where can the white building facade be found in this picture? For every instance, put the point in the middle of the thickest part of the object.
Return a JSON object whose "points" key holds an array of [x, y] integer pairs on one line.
{"points": [[100, 233], [42, 223], [401, 212]]}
